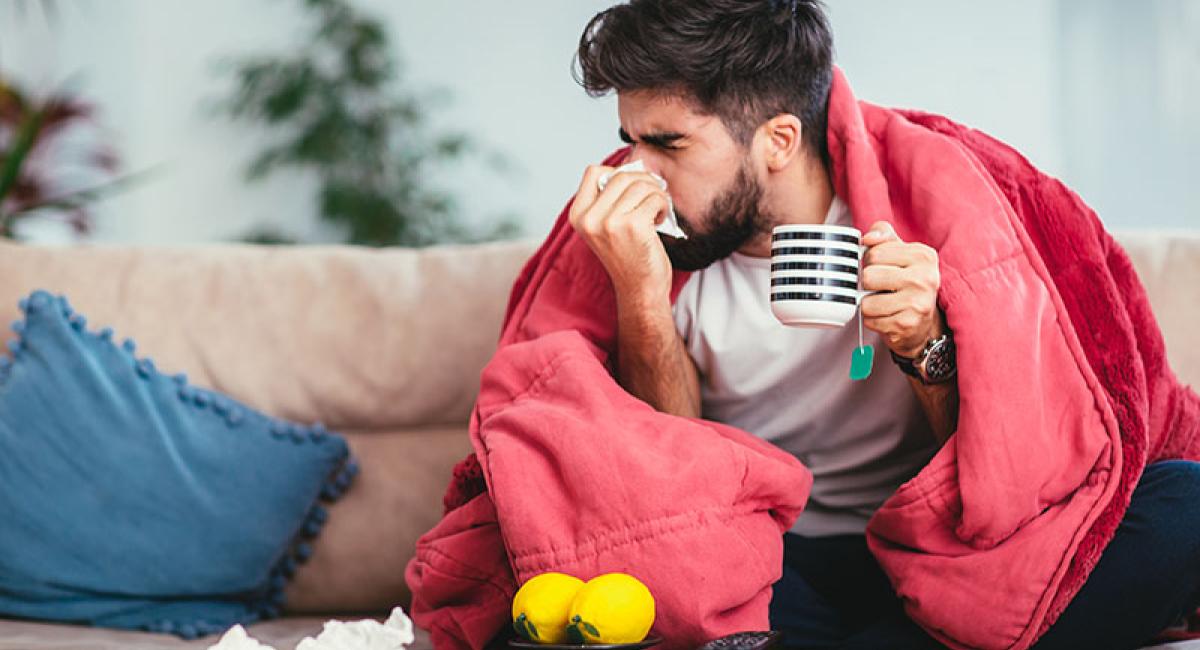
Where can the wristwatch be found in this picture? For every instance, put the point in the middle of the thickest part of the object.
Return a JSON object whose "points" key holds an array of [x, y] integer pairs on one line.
{"points": [[935, 364]]}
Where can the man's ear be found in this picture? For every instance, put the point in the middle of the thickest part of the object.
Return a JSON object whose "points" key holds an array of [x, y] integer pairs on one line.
{"points": [[782, 139]]}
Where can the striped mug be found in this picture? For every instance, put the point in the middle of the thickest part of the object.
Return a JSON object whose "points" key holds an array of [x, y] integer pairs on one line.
{"points": [[815, 274]]}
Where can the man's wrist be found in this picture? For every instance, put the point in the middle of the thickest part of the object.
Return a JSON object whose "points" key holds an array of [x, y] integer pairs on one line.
{"points": [[935, 361], [935, 330], [935, 364], [640, 302]]}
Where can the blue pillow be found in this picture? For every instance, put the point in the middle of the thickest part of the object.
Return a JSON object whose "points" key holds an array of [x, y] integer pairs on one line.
{"points": [[131, 499]]}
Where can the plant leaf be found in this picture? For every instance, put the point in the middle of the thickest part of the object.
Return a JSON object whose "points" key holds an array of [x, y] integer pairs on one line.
{"points": [[78, 200], [22, 145], [336, 106]]}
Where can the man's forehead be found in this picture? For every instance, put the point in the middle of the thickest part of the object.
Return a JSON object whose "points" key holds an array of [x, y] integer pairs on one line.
{"points": [[645, 111]]}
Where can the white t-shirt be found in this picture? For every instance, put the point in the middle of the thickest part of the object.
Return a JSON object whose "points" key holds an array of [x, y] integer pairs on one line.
{"points": [[791, 386]]}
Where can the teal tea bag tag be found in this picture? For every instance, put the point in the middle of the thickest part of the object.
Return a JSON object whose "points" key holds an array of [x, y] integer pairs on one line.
{"points": [[863, 356], [861, 361]]}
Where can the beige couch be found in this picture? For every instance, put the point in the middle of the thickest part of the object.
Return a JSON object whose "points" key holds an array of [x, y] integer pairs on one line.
{"points": [[385, 346]]}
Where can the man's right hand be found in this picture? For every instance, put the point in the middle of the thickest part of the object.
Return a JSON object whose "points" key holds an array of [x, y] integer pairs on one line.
{"points": [[618, 224]]}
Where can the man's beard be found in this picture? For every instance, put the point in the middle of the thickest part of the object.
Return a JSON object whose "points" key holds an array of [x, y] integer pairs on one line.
{"points": [[733, 218]]}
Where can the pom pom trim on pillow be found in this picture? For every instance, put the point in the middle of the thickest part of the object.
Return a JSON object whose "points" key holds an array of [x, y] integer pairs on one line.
{"points": [[234, 414]]}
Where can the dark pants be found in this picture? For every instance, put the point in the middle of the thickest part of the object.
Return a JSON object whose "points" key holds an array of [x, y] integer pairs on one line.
{"points": [[834, 595]]}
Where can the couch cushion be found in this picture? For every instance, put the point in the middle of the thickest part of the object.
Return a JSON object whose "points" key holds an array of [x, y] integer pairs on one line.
{"points": [[357, 338], [282, 634], [132, 499], [1168, 264], [362, 335], [359, 559]]}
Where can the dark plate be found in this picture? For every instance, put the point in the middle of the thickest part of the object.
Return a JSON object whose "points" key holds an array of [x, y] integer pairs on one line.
{"points": [[644, 643]]}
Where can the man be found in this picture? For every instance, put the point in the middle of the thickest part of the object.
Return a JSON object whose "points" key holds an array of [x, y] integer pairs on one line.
{"points": [[726, 100]]}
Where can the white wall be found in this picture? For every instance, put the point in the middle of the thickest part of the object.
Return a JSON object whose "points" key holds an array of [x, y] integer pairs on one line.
{"points": [[991, 65], [149, 67], [1099, 92], [1131, 138]]}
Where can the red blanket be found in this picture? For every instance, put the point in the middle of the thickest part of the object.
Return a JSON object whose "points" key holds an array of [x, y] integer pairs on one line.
{"points": [[1064, 389], [1157, 417], [576, 475]]}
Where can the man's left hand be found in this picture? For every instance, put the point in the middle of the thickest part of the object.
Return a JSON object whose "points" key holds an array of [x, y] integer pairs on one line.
{"points": [[908, 315]]}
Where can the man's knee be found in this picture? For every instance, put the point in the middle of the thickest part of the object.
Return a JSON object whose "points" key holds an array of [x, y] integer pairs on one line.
{"points": [[1173, 479], [1168, 499]]}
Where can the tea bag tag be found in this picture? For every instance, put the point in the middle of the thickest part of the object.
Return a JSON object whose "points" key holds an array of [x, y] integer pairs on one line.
{"points": [[861, 361], [863, 356]]}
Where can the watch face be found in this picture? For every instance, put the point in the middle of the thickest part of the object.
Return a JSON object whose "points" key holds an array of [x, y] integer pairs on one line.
{"points": [[940, 363]]}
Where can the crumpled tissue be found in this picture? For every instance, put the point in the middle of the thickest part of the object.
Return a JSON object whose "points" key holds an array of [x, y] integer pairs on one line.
{"points": [[394, 634], [670, 225]]}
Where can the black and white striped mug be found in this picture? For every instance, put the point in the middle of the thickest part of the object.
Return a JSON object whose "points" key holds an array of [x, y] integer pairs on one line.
{"points": [[815, 274]]}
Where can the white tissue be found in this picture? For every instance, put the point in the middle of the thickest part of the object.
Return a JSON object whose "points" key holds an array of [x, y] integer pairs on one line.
{"points": [[669, 225], [237, 639], [394, 634]]}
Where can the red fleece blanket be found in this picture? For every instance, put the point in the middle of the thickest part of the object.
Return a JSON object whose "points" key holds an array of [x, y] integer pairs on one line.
{"points": [[583, 478], [1157, 417], [1065, 396]]}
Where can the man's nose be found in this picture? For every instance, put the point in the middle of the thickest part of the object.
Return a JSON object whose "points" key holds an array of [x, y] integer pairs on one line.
{"points": [[641, 152]]}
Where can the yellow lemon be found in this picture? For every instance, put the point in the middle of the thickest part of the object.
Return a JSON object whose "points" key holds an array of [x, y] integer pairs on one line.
{"points": [[541, 606], [611, 608]]}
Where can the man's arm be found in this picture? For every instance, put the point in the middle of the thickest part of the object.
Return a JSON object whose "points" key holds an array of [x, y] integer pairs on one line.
{"points": [[652, 362], [940, 403], [907, 314], [618, 224]]}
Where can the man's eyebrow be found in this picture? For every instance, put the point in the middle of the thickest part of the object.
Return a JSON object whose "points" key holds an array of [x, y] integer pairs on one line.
{"points": [[662, 139]]}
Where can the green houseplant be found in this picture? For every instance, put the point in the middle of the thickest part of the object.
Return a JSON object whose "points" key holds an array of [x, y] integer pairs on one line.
{"points": [[335, 107], [30, 167]]}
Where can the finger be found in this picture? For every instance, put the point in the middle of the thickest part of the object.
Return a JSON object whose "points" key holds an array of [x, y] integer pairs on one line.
{"points": [[618, 182], [876, 325], [880, 232], [637, 195], [897, 326], [895, 253], [658, 205], [883, 305], [585, 196], [602, 217], [917, 304], [597, 213], [612, 191], [653, 209], [883, 277]]}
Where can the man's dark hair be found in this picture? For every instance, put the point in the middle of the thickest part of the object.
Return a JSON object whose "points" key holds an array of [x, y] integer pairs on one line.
{"points": [[744, 61]]}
